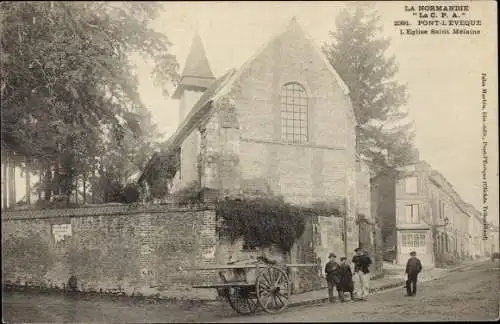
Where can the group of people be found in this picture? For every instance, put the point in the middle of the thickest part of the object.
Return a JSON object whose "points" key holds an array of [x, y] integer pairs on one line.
{"points": [[356, 284], [341, 277]]}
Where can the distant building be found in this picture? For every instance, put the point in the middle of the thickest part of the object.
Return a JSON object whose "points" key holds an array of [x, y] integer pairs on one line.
{"points": [[420, 211], [476, 230], [492, 242]]}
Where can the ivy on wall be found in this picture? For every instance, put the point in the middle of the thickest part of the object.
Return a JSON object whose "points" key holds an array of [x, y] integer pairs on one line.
{"points": [[192, 193], [264, 222]]}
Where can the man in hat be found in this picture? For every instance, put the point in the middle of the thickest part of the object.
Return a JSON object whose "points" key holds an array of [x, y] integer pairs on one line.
{"points": [[413, 268], [332, 275], [345, 276], [362, 264]]}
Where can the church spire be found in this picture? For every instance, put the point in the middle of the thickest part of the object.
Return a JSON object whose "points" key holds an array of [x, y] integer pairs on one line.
{"points": [[197, 74]]}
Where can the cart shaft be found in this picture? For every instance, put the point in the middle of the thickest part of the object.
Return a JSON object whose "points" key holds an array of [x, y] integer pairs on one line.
{"points": [[251, 266]]}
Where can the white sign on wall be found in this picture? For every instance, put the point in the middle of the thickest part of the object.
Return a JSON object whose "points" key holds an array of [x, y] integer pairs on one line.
{"points": [[60, 231]]}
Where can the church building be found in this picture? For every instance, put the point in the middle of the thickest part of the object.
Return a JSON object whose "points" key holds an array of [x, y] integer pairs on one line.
{"points": [[282, 124]]}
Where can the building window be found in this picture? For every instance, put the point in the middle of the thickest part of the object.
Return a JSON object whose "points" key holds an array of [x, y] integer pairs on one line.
{"points": [[411, 185], [441, 209], [411, 213], [413, 239], [294, 113]]}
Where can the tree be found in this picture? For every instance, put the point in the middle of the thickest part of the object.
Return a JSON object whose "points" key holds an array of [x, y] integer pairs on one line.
{"points": [[126, 154], [384, 135], [67, 80]]}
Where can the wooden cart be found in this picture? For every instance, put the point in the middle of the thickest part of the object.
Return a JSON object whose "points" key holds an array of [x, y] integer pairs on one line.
{"points": [[250, 285]]}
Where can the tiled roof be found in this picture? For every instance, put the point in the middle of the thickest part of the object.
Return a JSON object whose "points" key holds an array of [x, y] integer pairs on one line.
{"points": [[197, 109], [197, 72], [197, 112]]}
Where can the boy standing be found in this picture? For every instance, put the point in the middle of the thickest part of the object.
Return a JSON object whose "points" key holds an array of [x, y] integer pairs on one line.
{"points": [[345, 275], [413, 268], [332, 276]]}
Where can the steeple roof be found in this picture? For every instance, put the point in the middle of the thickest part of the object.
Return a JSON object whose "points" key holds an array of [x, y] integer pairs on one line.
{"points": [[197, 63], [197, 72]]}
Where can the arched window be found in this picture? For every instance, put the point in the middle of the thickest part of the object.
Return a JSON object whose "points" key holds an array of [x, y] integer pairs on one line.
{"points": [[293, 113]]}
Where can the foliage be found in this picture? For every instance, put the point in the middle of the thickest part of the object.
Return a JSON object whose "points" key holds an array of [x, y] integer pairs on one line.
{"points": [[191, 194], [131, 193], [385, 137], [325, 208], [160, 176], [117, 192], [126, 156], [68, 88], [261, 222]]}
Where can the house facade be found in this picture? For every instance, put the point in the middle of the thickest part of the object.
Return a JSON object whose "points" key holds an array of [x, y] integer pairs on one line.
{"points": [[280, 125], [476, 227], [492, 242], [420, 211]]}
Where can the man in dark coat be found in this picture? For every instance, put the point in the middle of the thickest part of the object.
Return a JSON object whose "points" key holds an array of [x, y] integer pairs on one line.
{"points": [[362, 264], [332, 276], [413, 268], [345, 275]]}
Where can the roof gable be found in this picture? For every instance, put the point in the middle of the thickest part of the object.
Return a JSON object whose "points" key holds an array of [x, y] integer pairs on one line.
{"points": [[294, 27]]}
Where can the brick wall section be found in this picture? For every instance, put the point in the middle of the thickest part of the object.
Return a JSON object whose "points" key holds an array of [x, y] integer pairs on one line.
{"points": [[141, 249]]}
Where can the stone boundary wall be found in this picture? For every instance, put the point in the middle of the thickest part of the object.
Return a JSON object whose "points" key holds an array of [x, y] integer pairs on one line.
{"points": [[135, 250]]}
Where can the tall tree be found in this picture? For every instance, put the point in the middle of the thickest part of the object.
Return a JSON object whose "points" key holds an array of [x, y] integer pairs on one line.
{"points": [[67, 80], [384, 134], [126, 154]]}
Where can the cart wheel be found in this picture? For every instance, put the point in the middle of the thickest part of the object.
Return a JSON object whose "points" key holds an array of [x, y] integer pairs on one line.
{"points": [[272, 289], [242, 300]]}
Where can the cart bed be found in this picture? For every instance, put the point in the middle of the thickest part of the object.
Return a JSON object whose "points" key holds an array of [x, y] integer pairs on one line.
{"points": [[226, 285]]}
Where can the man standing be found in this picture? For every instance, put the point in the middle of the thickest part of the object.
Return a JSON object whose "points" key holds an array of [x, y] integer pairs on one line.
{"points": [[361, 263], [332, 276], [413, 268]]}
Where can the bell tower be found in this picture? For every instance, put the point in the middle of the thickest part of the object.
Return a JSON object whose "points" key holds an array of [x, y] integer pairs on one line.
{"points": [[196, 77]]}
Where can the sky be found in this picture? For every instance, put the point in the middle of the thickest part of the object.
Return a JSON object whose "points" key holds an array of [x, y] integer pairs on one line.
{"points": [[442, 74]]}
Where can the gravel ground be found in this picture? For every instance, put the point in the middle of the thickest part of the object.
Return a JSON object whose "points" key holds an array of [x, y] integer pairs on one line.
{"points": [[470, 294]]}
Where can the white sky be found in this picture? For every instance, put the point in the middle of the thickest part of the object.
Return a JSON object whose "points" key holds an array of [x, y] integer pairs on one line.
{"points": [[443, 74]]}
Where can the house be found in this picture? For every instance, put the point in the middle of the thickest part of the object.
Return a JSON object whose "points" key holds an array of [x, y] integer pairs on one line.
{"points": [[420, 211], [476, 227], [492, 241], [282, 124]]}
